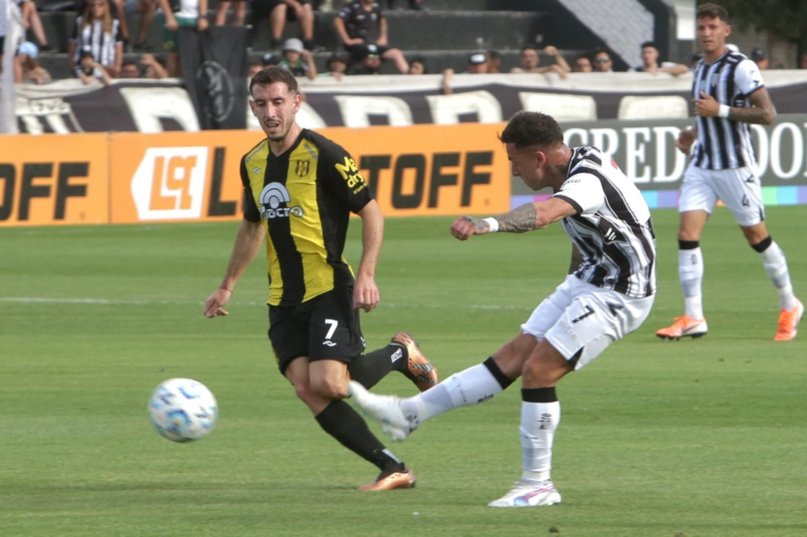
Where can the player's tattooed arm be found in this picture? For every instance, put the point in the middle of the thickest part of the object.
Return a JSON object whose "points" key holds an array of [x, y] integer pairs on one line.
{"points": [[521, 219], [524, 218], [518, 220]]}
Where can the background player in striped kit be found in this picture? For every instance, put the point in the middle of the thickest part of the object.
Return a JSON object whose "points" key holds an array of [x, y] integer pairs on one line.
{"points": [[608, 294], [728, 94]]}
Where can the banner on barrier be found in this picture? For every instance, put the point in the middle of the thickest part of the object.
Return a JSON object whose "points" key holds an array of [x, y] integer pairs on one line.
{"points": [[363, 101], [54, 180], [414, 171], [129, 178]]}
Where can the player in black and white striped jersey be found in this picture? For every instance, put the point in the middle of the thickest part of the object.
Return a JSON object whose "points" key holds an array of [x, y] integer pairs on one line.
{"points": [[728, 94], [608, 294]]}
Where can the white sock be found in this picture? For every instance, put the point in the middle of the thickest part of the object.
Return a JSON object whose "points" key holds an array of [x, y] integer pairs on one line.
{"points": [[469, 387], [538, 424], [773, 258], [690, 274]]}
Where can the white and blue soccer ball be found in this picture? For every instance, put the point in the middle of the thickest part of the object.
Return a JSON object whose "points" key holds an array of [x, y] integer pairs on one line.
{"points": [[183, 410]]}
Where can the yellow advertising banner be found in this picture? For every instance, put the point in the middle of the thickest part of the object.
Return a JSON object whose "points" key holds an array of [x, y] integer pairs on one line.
{"points": [[54, 180], [414, 171], [430, 170], [181, 176], [194, 176]]}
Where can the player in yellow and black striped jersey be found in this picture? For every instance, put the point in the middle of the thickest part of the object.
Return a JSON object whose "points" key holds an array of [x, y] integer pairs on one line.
{"points": [[299, 191], [304, 196]]}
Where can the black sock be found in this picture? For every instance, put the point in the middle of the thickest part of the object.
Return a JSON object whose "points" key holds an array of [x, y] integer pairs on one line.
{"points": [[370, 368], [343, 423]]}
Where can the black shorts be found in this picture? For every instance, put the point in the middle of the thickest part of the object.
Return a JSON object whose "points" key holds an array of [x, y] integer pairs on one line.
{"points": [[359, 52], [263, 8], [324, 328]]}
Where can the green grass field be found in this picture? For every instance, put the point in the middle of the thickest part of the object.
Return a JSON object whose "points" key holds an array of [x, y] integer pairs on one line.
{"points": [[675, 439]]}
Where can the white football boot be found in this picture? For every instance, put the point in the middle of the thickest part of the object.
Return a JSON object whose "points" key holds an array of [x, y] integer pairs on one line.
{"points": [[385, 409], [529, 494]]}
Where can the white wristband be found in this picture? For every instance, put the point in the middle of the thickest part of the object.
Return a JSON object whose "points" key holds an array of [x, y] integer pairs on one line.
{"points": [[723, 111], [493, 224]]}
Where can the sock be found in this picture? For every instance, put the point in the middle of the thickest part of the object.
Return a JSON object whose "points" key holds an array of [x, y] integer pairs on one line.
{"points": [[472, 386], [339, 420], [371, 367], [690, 274], [773, 259], [540, 416]]}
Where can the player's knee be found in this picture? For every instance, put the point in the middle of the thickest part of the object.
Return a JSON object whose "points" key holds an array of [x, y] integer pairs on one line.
{"points": [[760, 245], [534, 374], [304, 392], [328, 388]]}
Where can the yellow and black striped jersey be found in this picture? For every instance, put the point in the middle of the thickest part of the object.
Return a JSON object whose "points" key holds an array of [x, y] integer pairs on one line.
{"points": [[305, 197]]}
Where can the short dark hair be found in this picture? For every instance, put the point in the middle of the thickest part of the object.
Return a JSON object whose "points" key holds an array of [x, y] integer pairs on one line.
{"points": [[273, 74], [710, 10], [601, 51], [649, 44], [526, 129]]}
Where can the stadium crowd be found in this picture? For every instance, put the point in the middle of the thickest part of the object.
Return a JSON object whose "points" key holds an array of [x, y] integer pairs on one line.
{"points": [[101, 32]]}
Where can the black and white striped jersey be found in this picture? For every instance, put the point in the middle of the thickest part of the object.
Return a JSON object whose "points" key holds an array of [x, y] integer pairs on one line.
{"points": [[612, 228], [93, 38], [722, 143]]}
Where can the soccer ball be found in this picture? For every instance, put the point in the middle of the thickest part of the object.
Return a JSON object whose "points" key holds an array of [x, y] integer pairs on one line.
{"points": [[183, 410]]}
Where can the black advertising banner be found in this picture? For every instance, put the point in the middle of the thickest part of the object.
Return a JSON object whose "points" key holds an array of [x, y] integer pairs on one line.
{"points": [[214, 66], [361, 101]]}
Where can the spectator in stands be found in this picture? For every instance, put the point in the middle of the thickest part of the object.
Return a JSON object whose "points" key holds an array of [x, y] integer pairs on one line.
{"points": [[477, 65], [530, 61], [190, 14], [494, 62], [360, 24], [146, 67], [761, 59], [417, 65], [117, 10], [413, 4], [239, 12], [280, 11], [603, 62], [652, 65], [582, 64], [98, 33], [26, 69], [253, 69], [270, 59], [129, 69], [367, 62], [336, 66], [90, 71], [32, 22], [298, 60], [147, 9]]}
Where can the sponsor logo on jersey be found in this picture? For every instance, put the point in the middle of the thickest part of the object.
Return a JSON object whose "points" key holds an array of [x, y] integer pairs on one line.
{"points": [[274, 203]]}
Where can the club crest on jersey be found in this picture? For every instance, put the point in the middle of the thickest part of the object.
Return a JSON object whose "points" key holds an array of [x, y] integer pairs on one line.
{"points": [[301, 168], [274, 203]]}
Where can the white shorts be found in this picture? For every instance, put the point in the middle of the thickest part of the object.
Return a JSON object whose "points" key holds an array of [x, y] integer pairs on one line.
{"points": [[580, 320], [738, 188]]}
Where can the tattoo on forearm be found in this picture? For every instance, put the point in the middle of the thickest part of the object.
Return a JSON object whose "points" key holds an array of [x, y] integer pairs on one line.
{"points": [[749, 115], [519, 220]]}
